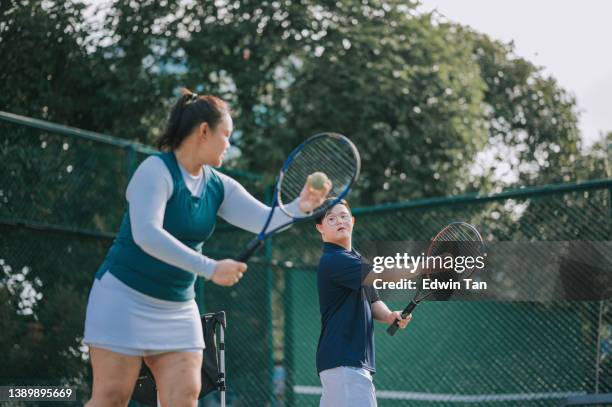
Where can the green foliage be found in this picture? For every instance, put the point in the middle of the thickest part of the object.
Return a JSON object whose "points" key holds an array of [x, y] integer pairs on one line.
{"points": [[528, 113], [44, 62], [58, 65], [420, 97], [408, 94]]}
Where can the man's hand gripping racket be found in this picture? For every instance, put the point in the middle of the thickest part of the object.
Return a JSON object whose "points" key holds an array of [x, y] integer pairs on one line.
{"points": [[326, 164], [456, 239]]}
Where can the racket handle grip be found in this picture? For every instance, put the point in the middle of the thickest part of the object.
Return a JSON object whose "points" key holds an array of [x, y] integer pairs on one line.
{"points": [[392, 329], [251, 248]]}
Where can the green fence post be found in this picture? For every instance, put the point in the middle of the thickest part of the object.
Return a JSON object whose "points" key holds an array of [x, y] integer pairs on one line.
{"points": [[610, 210], [269, 287], [288, 358]]}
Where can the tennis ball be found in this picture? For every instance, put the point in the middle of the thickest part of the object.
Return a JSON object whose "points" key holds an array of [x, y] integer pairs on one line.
{"points": [[317, 180]]}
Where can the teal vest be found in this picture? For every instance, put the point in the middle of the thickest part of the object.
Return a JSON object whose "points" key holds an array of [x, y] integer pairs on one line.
{"points": [[189, 219]]}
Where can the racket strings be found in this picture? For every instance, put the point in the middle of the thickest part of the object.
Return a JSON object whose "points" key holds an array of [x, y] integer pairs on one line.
{"points": [[333, 156], [457, 239], [298, 174], [460, 239], [339, 162], [339, 169]]}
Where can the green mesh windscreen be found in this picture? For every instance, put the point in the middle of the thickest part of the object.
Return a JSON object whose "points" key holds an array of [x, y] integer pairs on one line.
{"points": [[458, 353]]}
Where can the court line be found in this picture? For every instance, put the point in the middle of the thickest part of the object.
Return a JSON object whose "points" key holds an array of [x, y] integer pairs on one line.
{"points": [[464, 398]]}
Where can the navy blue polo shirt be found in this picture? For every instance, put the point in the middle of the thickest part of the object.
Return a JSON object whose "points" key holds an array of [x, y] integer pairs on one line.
{"points": [[347, 327]]}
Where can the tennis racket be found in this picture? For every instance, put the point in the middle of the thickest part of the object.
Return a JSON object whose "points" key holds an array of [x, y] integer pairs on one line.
{"points": [[456, 239], [329, 157]]}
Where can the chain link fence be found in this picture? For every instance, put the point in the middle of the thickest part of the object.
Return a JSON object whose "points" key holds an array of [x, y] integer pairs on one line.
{"points": [[457, 353], [61, 202], [62, 198]]}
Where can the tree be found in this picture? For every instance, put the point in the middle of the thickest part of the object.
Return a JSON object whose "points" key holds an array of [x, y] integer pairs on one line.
{"points": [[532, 121], [406, 91], [263, 58], [43, 65]]}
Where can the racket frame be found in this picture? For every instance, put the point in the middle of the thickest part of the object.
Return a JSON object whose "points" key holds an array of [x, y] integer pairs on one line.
{"points": [[392, 328], [257, 242]]}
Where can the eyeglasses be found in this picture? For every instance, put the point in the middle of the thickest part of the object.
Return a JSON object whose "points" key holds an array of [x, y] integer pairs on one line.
{"points": [[333, 220]]}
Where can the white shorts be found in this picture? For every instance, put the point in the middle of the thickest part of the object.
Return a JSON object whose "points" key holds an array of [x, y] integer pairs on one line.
{"points": [[346, 386], [129, 322]]}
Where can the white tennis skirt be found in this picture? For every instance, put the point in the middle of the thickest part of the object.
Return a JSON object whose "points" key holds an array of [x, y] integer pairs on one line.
{"points": [[127, 321]]}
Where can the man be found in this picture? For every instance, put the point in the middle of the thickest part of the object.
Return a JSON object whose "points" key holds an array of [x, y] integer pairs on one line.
{"points": [[345, 353]]}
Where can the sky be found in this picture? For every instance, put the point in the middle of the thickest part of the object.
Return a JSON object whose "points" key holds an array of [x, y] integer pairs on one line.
{"points": [[569, 39]]}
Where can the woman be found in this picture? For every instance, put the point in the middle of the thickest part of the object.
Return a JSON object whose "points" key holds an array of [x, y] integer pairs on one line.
{"points": [[141, 305]]}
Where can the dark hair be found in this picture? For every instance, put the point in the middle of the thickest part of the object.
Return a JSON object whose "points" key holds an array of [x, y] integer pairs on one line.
{"points": [[328, 201], [190, 111]]}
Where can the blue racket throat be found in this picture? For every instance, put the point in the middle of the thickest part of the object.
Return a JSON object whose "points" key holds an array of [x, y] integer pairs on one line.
{"points": [[253, 246], [262, 234], [256, 243]]}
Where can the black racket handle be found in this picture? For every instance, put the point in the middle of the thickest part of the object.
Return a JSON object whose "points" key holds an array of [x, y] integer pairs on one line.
{"points": [[251, 248], [392, 329]]}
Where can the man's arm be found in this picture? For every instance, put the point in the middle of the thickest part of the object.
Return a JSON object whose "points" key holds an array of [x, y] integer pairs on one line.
{"points": [[382, 313]]}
